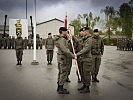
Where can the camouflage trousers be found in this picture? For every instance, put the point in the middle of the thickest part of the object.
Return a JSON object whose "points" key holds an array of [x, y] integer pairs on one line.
{"points": [[96, 62], [19, 54], [50, 55], [63, 72], [69, 66], [86, 72]]}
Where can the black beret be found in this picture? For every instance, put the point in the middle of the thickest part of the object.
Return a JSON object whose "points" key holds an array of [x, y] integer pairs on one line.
{"points": [[62, 29], [95, 30], [49, 33], [86, 28]]}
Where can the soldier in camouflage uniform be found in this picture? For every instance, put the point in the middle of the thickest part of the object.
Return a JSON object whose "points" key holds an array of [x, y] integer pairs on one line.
{"points": [[41, 43], [62, 56], [0, 41], [13, 42], [19, 43], [86, 59], [96, 51], [25, 43], [49, 45], [9, 42]]}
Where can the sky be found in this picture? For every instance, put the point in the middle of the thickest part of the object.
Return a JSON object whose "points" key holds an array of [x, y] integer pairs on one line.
{"points": [[49, 9]]}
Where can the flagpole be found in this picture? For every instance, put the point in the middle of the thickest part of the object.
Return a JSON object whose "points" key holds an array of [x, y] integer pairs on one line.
{"points": [[34, 52], [73, 47]]}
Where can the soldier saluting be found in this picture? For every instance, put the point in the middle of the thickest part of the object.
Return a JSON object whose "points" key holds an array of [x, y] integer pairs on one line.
{"points": [[19, 44]]}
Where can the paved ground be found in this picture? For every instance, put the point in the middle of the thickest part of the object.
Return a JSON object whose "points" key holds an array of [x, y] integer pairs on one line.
{"points": [[31, 82]]}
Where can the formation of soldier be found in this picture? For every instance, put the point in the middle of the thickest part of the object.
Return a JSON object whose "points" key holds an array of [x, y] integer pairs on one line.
{"points": [[8, 42], [125, 44], [89, 50]]}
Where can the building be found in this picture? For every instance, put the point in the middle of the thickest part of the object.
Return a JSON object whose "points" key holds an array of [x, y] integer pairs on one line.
{"points": [[51, 26]]}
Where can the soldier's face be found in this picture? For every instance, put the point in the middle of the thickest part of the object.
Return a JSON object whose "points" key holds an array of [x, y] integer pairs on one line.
{"points": [[64, 33], [85, 32], [96, 33], [81, 33]]}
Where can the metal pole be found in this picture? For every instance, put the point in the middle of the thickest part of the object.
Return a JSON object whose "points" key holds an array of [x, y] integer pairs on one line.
{"points": [[26, 9], [34, 52]]}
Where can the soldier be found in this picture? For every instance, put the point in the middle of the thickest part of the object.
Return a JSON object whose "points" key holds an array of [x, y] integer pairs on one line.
{"points": [[49, 45], [29, 42], [5, 42], [97, 52], [13, 42], [9, 42], [19, 43], [0, 41], [25, 43], [86, 59], [37, 42], [62, 56], [41, 43], [19, 46]]}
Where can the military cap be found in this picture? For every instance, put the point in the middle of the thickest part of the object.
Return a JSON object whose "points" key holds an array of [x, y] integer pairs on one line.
{"points": [[62, 29], [49, 33], [95, 30], [86, 28]]}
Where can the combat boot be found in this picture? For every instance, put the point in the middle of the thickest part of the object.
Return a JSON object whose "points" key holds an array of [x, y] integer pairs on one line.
{"points": [[82, 87], [85, 90], [17, 62], [93, 78], [20, 62], [68, 80], [61, 90], [58, 88], [96, 80]]}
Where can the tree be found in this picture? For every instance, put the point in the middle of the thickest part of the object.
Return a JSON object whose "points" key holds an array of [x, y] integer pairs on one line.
{"points": [[81, 22], [126, 19], [109, 12]]}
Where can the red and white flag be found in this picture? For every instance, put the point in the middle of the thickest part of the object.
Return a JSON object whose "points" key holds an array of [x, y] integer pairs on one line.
{"points": [[66, 22]]}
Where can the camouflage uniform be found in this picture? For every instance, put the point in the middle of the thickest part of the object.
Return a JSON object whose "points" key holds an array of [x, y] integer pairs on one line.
{"points": [[9, 42], [13, 42], [41, 43], [86, 61], [25, 43], [62, 57], [96, 50], [49, 45], [19, 46]]}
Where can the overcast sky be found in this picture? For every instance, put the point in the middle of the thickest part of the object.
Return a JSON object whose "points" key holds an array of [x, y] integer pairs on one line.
{"points": [[48, 9]]}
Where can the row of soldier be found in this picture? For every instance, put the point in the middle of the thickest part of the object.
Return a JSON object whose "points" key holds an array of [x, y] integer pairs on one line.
{"points": [[8, 42], [125, 44]]}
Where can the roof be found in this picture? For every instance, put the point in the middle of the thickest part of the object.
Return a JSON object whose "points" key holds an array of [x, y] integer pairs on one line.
{"points": [[52, 20]]}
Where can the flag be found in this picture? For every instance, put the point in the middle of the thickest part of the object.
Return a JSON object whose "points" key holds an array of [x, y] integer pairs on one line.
{"points": [[66, 22]]}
